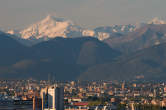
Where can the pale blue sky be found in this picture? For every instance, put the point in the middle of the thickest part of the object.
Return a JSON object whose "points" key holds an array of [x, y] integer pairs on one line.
{"points": [[87, 13]]}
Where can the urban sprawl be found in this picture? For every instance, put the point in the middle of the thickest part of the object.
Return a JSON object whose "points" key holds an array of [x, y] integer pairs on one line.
{"points": [[84, 95]]}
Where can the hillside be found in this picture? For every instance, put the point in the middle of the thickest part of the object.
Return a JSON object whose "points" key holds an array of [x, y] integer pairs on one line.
{"points": [[148, 63], [63, 58]]}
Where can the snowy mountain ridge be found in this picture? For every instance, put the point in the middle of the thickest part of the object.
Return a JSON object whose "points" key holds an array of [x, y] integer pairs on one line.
{"points": [[52, 27]]}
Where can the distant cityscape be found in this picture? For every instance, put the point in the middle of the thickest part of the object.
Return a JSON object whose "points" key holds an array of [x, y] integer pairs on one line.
{"points": [[83, 95]]}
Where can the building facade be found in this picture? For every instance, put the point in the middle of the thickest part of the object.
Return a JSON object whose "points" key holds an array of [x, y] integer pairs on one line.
{"points": [[53, 98]]}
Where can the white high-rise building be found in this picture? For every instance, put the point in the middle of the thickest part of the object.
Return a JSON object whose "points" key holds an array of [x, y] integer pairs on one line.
{"points": [[53, 98]]}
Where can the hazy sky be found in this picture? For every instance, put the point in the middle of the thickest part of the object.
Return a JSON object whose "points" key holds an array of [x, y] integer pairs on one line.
{"points": [[88, 13]]}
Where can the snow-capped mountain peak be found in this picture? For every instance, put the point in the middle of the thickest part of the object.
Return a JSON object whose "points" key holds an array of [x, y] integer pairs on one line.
{"points": [[156, 20], [48, 28]]}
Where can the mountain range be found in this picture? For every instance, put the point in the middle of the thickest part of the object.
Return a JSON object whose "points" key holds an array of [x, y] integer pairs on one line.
{"points": [[52, 26], [58, 47]]}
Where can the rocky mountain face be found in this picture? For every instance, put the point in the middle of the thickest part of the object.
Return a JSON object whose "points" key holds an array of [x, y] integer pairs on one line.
{"points": [[144, 37]]}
